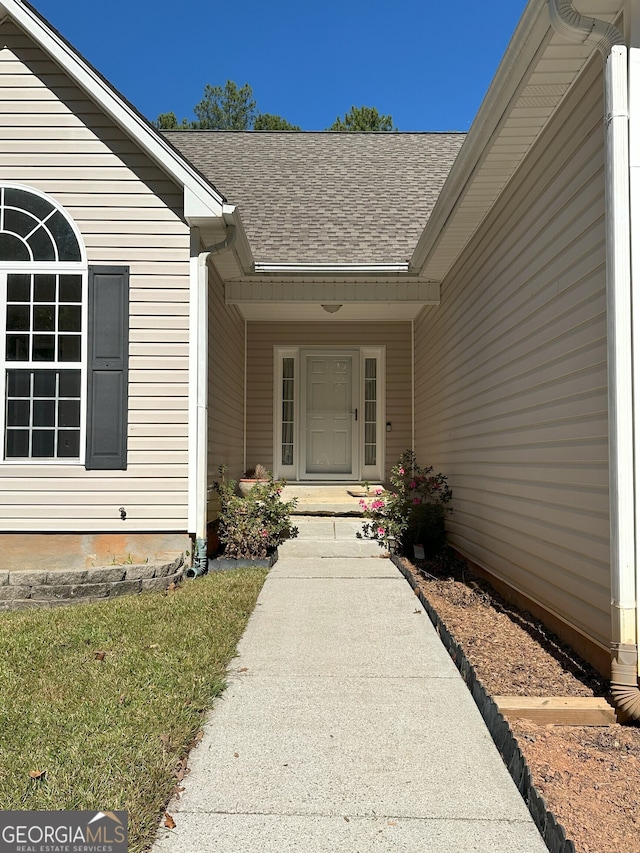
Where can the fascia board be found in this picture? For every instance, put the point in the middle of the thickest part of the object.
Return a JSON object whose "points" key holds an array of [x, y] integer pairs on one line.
{"points": [[508, 77], [242, 246], [114, 105]]}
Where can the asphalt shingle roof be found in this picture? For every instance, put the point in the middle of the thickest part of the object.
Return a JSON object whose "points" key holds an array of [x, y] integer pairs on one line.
{"points": [[326, 197]]}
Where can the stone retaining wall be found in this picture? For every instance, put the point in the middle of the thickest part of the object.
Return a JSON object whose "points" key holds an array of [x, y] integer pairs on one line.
{"points": [[21, 590]]}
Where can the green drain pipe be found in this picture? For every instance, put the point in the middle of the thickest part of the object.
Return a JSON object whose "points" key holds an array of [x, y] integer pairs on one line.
{"points": [[200, 560]]}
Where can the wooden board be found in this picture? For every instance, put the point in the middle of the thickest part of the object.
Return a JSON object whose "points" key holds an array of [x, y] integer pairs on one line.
{"points": [[558, 710]]}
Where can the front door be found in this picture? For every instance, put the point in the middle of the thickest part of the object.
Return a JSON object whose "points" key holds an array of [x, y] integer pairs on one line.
{"points": [[330, 413]]}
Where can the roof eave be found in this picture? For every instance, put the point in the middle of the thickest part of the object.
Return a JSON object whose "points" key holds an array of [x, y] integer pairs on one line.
{"points": [[437, 248]]}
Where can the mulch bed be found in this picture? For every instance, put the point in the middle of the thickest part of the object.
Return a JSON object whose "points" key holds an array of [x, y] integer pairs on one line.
{"points": [[589, 776]]}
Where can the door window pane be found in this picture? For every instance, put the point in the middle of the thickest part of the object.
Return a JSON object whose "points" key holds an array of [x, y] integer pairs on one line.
{"points": [[370, 410], [287, 410]]}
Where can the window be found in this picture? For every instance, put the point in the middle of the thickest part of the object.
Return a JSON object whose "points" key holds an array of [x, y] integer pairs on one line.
{"points": [[370, 410], [288, 422], [49, 325]]}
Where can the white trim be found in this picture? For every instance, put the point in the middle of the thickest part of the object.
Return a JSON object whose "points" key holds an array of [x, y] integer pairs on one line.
{"points": [[289, 472], [48, 266], [297, 471], [116, 107], [331, 269], [375, 472], [78, 268], [194, 285]]}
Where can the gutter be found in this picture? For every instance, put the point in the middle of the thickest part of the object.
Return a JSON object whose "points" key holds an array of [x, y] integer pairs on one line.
{"points": [[200, 560], [569, 24]]}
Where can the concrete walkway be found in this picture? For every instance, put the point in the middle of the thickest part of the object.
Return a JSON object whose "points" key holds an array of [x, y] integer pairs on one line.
{"points": [[345, 728]]}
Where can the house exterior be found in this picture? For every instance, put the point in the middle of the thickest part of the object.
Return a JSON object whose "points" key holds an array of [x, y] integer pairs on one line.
{"points": [[320, 302]]}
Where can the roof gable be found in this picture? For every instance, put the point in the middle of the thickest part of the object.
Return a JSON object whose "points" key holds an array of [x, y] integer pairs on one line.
{"points": [[202, 200]]}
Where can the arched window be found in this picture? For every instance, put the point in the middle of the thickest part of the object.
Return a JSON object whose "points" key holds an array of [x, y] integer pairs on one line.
{"points": [[43, 284]]}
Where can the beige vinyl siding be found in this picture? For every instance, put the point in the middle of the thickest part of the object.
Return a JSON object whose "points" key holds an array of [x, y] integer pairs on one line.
{"points": [[263, 337], [53, 138], [511, 377], [226, 383]]}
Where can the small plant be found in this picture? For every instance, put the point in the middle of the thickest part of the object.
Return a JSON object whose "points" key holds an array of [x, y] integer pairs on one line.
{"points": [[253, 525], [413, 512], [257, 473]]}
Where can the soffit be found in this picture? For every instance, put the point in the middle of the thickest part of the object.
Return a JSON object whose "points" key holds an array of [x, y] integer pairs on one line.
{"points": [[537, 71]]}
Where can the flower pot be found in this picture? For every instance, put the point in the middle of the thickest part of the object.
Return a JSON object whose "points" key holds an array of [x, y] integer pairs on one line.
{"points": [[245, 485]]}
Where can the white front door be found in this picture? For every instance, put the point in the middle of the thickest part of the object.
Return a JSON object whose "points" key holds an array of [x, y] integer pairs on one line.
{"points": [[330, 412]]}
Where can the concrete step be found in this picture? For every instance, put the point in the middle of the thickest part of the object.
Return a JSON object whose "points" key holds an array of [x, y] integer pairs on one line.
{"points": [[328, 499], [329, 537]]}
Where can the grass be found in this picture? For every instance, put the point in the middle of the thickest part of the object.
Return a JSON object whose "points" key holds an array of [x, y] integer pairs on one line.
{"points": [[107, 698]]}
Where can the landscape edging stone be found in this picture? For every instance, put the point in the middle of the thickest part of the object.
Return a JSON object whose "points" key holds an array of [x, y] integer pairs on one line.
{"points": [[226, 564], [552, 832], [41, 589]]}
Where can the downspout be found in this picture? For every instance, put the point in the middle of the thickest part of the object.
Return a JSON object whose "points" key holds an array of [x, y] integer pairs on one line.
{"points": [[413, 384], [200, 560], [568, 23]]}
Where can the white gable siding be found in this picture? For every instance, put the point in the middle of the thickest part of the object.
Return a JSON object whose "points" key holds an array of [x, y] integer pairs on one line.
{"points": [[53, 138], [511, 378]]}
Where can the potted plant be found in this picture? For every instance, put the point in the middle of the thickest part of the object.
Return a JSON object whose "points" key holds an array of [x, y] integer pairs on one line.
{"points": [[251, 526], [250, 478]]}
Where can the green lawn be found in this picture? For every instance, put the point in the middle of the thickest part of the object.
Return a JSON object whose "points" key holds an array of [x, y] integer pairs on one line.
{"points": [[109, 733]]}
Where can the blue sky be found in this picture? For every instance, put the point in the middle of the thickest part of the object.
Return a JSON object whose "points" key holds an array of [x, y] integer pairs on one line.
{"points": [[426, 63]]}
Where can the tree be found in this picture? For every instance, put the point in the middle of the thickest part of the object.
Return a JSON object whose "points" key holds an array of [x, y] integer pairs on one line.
{"points": [[267, 121], [362, 120], [168, 121], [228, 108]]}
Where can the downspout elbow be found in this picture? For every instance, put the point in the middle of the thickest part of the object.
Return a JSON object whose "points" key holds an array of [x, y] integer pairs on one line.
{"points": [[217, 248], [573, 26], [200, 563], [624, 681]]}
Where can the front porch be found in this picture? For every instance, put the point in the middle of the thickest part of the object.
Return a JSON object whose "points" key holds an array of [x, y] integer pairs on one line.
{"points": [[327, 499]]}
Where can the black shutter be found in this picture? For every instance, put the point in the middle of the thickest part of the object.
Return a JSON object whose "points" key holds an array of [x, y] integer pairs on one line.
{"points": [[108, 356]]}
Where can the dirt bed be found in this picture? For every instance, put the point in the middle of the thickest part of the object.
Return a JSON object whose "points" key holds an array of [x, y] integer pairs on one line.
{"points": [[589, 776]]}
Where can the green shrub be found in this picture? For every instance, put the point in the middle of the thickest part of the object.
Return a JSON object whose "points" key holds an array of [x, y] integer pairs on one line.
{"points": [[412, 512], [253, 526]]}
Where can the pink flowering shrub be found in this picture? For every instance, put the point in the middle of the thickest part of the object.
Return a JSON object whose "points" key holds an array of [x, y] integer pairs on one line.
{"points": [[412, 512], [253, 526]]}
